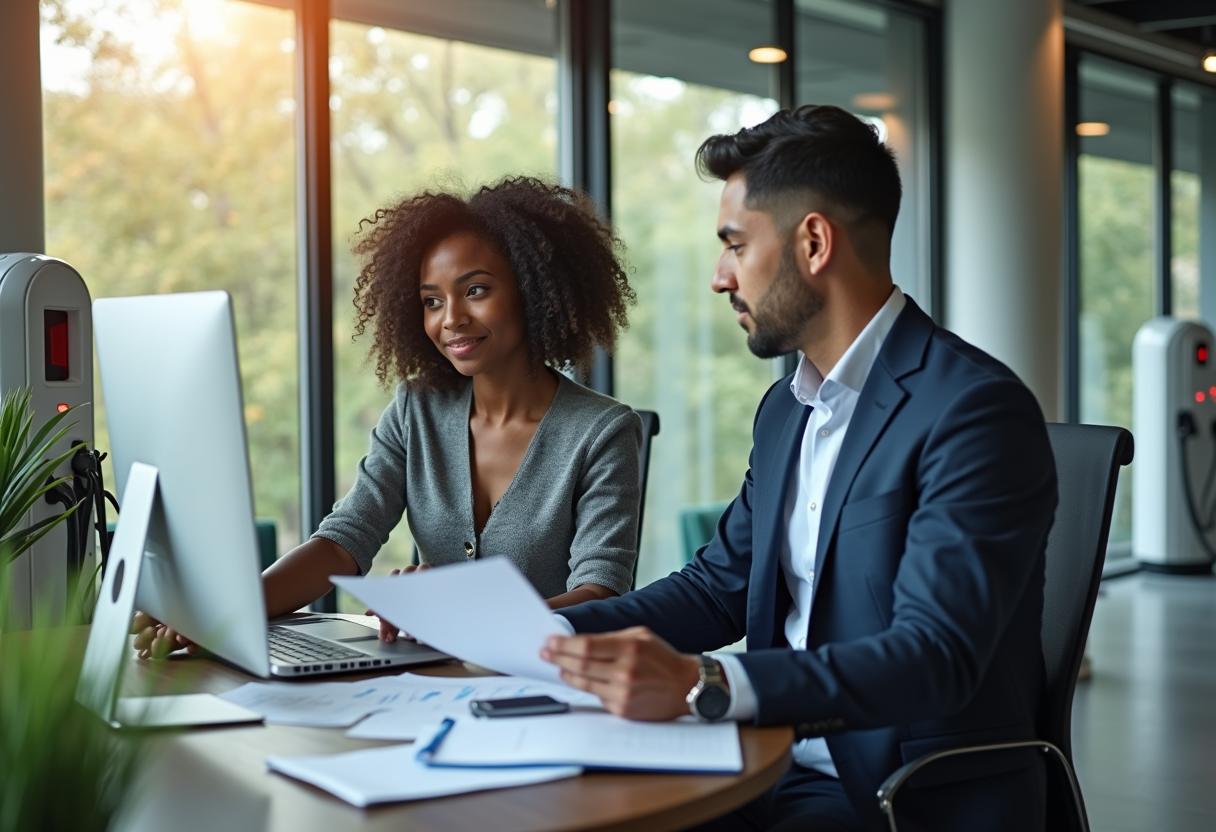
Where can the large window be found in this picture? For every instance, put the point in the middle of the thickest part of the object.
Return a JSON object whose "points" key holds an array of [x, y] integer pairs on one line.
{"points": [[411, 111], [169, 168], [871, 60], [683, 74], [1116, 180], [1189, 104], [1130, 183]]}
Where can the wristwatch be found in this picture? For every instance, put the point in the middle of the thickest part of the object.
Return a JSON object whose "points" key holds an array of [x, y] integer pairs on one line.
{"points": [[709, 699]]}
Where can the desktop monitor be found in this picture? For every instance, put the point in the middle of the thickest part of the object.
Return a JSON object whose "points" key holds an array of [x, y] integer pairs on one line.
{"points": [[171, 385]]}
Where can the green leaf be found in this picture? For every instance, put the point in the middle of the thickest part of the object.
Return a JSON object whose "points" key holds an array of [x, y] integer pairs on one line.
{"points": [[28, 471]]}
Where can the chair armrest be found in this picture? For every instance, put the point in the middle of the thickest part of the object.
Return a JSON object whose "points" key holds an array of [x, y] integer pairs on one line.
{"points": [[890, 786]]}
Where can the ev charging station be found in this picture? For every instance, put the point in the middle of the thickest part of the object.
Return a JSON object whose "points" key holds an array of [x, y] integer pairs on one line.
{"points": [[1174, 420], [46, 344]]}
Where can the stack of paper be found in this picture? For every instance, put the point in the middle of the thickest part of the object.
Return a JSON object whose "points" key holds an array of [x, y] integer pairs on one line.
{"points": [[387, 775], [592, 740]]}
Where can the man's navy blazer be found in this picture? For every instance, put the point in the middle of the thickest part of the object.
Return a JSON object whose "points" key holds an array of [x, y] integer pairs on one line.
{"points": [[928, 589]]}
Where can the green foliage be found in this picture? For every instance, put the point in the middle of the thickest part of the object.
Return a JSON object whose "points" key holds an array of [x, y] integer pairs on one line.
{"points": [[61, 767], [27, 472]]}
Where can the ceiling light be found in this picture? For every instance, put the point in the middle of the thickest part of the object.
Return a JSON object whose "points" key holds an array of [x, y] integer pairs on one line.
{"points": [[874, 101], [1092, 128], [767, 55], [1209, 61]]}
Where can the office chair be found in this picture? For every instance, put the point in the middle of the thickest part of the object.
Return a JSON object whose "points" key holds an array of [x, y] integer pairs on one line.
{"points": [[1088, 458], [697, 526], [650, 429]]}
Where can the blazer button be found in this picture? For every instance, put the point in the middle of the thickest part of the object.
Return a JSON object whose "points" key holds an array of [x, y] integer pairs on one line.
{"points": [[468, 550]]}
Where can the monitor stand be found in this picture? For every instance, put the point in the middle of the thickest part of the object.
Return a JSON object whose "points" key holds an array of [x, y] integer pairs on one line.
{"points": [[108, 649]]}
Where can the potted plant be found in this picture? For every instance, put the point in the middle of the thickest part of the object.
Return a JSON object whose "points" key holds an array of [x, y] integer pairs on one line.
{"points": [[60, 766]]}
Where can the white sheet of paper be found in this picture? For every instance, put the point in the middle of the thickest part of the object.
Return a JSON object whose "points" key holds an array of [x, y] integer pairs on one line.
{"points": [[426, 700], [595, 740], [319, 704], [484, 612], [387, 775]]}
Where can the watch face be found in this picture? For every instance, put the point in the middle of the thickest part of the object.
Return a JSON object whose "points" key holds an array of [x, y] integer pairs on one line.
{"points": [[712, 702]]}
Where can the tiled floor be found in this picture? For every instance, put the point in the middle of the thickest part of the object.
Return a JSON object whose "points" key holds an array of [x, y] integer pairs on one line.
{"points": [[1144, 727]]}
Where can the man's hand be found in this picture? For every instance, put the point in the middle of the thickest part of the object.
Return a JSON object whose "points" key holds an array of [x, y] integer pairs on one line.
{"points": [[634, 672], [154, 640], [388, 631]]}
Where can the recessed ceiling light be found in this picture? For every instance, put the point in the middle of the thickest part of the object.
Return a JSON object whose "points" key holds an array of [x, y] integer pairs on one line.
{"points": [[874, 101], [1092, 128], [767, 55]]}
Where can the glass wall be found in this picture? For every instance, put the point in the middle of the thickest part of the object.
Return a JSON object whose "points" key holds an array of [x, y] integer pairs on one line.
{"points": [[169, 142], [871, 60], [411, 111], [682, 74], [170, 134], [1116, 181]]}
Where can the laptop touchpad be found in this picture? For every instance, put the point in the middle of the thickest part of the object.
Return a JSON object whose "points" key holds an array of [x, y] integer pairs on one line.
{"points": [[336, 629]]}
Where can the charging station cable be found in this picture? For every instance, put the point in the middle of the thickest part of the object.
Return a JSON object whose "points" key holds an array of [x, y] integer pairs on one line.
{"points": [[1185, 429]]}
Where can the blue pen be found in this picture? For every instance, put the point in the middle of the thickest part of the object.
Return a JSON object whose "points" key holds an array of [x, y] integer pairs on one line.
{"points": [[426, 753]]}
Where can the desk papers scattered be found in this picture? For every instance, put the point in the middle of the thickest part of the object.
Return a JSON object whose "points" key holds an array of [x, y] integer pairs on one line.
{"points": [[426, 700], [386, 775], [402, 707], [593, 740], [319, 704], [484, 612]]}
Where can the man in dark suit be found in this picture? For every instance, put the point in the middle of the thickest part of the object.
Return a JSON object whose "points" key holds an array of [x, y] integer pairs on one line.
{"points": [[884, 555]]}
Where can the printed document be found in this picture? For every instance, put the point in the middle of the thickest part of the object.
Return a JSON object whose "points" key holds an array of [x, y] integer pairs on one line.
{"points": [[593, 740], [484, 612], [319, 704], [426, 700]]}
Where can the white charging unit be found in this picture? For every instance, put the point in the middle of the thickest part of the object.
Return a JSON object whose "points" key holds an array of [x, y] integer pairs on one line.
{"points": [[46, 344], [1174, 422]]}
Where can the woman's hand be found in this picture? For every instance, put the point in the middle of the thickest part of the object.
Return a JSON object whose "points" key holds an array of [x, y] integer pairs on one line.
{"points": [[388, 631], [154, 640]]}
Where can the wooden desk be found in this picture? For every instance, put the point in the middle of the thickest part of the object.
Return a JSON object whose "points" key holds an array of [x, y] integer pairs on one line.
{"points": [[216, 779]]}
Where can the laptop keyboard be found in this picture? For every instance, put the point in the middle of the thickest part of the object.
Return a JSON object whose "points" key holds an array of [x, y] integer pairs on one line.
{"points": [[290, 647]]}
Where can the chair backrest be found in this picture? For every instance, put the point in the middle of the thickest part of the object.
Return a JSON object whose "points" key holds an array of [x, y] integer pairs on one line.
{"points": [[650, 429], [1088, 458]]}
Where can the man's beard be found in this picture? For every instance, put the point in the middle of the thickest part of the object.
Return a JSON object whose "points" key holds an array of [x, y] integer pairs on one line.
{"points": [[781, 315]]}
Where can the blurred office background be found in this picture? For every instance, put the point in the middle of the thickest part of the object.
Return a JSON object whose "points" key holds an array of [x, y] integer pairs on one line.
{"points": [[1059, 164], [172, 146]]}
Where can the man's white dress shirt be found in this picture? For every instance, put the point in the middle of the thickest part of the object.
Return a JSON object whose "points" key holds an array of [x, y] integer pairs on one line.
{"points": [[833, 400]]}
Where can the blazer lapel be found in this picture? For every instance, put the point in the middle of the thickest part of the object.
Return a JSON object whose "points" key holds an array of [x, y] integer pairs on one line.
{"points": [[901, 354], [768, 518]]}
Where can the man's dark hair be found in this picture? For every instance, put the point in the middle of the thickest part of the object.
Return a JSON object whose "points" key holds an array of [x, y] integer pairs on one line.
{"points": [[819, 149], [565, 259]]}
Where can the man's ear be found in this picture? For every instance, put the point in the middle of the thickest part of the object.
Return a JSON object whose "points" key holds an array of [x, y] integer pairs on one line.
{"points": [[814, 237]]}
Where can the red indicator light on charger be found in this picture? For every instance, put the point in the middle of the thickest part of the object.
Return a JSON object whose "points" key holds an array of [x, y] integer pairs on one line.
{"points": [[1200, 396], [63, 407], [1201, 354]]}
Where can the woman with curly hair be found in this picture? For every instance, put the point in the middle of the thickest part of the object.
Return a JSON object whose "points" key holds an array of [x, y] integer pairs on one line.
{"points": [[474, 306]]}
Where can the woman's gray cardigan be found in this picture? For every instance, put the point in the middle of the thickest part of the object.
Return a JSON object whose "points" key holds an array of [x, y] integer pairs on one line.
{"points": [[569, 517]]}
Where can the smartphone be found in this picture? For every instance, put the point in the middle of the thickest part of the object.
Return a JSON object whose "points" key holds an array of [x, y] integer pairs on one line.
{"points": [[519, 706]]}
